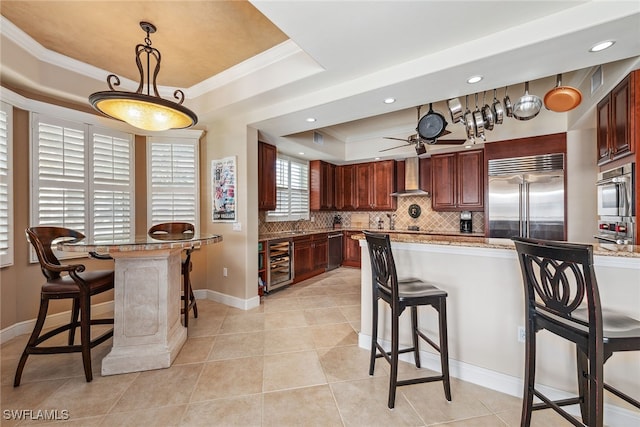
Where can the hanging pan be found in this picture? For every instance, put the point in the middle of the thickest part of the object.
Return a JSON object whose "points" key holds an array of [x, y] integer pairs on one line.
{"points": [[431, 125], [508, 108], [562, 98], [528, 106], [498, 111]]}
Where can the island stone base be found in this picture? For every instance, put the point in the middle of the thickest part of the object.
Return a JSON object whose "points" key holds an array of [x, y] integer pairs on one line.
{"points": [[148, 333]]}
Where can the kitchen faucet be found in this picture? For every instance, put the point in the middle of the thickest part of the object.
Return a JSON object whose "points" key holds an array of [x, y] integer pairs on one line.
{"points": [[392, 221], [297, 225]]}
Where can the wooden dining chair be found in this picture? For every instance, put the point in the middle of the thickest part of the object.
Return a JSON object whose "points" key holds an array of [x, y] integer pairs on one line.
{"points": [[562, 297], [400, 294], [65, 281], [177, 231]]}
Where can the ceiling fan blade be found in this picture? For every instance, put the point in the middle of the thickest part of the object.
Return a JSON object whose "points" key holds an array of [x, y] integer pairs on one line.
{"points": [[450, 141], [445, 132], [392, 148], [397, 139]]}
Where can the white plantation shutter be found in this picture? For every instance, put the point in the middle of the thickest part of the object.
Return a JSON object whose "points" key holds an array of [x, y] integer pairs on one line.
{"points": [[6, 185], [59, 172], [112, 186], [82, 178], [172, 165], [292, 190]]}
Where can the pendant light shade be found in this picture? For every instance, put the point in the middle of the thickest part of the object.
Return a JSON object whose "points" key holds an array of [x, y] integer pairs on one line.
{"points": [[139, 109]]}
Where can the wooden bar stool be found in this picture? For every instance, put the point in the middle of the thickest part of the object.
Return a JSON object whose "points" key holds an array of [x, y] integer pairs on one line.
{"points": [[558, 278], [177, 231], [400, 294], [78, 285]]}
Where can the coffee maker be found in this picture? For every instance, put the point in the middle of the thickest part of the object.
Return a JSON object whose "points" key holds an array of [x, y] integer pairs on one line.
{"points": [[466, 224]]}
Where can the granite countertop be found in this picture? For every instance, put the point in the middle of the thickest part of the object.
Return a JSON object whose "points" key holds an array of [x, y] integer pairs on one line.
{"points": [[291, 234], [603, 249]]}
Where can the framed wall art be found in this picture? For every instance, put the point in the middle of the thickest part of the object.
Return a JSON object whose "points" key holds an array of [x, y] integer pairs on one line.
{"points": [[223, 184]]}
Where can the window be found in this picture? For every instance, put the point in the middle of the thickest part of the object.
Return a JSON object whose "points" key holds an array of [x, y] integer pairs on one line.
{"points": [[292, 190], [82, 177], [6, 185], [173, 178]]}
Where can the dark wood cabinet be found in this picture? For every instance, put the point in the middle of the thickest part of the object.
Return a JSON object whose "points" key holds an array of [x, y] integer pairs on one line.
{"points": [[457, 181], [617, 116], [267, 155], [351, 249], [345, 187], [375, 181], [309, 256], [321, 186]]}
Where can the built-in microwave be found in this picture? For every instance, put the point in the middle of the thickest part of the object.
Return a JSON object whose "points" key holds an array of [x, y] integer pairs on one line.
{"points": [[615, 192]]}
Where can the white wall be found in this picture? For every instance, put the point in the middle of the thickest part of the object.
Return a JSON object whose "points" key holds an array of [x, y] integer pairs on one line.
{"points": [[581, 185]]}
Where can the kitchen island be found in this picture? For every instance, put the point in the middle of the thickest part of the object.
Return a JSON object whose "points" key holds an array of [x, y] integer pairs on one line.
{"points": [[485, 309]]}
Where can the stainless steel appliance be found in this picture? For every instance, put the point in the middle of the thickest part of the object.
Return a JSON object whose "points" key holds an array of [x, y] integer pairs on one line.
{"points": [[616, 205], [466, 223], [280, 271], [526, 197], [335, 251]]}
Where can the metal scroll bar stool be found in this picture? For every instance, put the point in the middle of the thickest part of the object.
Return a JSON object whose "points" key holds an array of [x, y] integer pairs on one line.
{"points": [[79, 286], [177, 231], [400, 294], [558, 277]]}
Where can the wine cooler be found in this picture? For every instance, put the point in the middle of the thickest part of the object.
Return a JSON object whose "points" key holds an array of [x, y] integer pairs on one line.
{"points": [[280, 271]]}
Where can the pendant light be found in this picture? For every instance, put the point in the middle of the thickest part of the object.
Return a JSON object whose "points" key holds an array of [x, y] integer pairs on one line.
{"points": [[144, 110]]}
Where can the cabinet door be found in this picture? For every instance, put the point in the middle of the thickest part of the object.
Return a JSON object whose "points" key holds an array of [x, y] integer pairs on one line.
{"points": [[470, 180], [267, 155], [328, 201], [345, 187], [351, 250], [321, 185], [320, 251], [443, 182], [619, 119], [383, 184], [302, 257], [425, 174], [363, 183], [603, 130]]}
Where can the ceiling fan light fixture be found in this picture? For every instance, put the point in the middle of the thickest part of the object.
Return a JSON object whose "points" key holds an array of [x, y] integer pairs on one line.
{"points": [[144, 110], [420, 148]]}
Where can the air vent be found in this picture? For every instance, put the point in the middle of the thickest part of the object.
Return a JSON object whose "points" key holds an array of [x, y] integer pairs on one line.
{"points": [[541, 163], [597, 79], [318, 138]]}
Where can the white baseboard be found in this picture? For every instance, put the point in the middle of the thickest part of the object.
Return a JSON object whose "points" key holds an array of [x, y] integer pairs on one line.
{"points": [[53, 320], [615, 415], [243, 304]]}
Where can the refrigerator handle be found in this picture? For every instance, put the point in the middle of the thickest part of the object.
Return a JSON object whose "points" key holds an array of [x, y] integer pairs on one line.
{"points": [[520, 213], [526, 212]]}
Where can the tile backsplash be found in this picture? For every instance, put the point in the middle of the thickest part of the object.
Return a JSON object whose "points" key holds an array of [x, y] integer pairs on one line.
{"points": [[429, 220]]}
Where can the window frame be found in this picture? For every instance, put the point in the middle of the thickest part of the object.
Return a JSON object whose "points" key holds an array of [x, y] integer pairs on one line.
{"points": [[277, 215], [170, 140], [7, 258]]}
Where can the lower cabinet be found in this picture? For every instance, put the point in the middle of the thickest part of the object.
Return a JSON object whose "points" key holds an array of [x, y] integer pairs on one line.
{"points": [[309, 256], [351, 249]]}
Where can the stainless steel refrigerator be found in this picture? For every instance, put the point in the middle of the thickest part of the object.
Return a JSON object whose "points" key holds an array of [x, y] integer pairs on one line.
{"points": [[526, 197]]}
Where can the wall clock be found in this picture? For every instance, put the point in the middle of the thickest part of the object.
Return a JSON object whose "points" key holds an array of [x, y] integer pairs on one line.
{"points": [[414, 211]]}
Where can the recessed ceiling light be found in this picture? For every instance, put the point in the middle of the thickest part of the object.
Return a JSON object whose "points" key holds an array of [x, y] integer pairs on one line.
{"points": [[389, 100], [467, 146], [301, 153], [474, 79], [311, 119], [602, 46], [377, 158]]}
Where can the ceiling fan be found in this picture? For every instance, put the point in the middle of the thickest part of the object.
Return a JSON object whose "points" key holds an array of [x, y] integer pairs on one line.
{"points": [[419, 141]]}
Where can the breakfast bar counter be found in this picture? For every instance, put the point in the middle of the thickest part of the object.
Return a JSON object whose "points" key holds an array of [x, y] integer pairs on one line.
{"points": [[485, 309]]}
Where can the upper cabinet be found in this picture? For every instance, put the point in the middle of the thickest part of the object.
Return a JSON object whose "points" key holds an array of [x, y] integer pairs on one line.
{"points": [[345, 187], [617, 116], [457, 181], [375, 181], [321, 186], [267, 155]]}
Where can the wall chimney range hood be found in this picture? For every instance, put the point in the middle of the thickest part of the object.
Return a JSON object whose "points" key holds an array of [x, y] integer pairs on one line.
{"points": [[411, 179]]}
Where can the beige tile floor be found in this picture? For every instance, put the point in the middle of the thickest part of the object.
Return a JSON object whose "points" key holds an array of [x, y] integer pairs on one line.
{"points": [[293, 361]]}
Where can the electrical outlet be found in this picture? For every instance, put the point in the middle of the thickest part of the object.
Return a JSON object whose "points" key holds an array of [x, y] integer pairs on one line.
{"points": [[225, 273], [521, 334]]}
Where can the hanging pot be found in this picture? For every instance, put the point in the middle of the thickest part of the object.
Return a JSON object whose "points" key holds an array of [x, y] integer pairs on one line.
{"points": [[431, 125], [528, 106], [508, 108], [562, 98], [487, 114], [478, 121], [469, 123], [498, 111], [455, 108]]}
